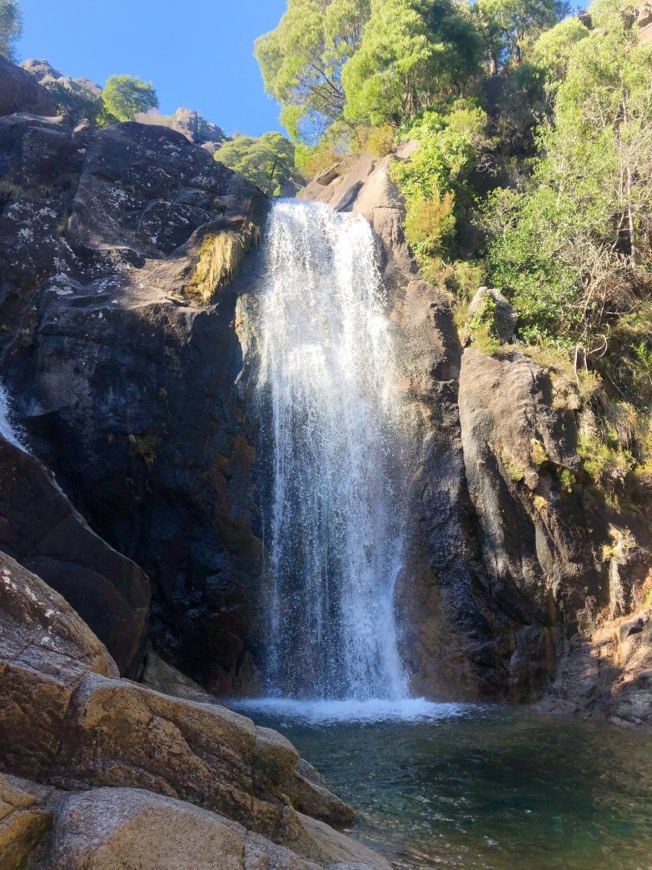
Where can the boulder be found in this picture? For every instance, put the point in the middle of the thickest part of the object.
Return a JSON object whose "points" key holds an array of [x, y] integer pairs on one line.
{"points": [[19, 92], [501, 314], [45, 652], [22, 825], [68, 722], [119, 827]]}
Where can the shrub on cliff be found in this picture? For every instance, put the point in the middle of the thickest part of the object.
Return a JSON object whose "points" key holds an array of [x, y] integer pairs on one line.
{"points": [[124, 96], [267, 161]]}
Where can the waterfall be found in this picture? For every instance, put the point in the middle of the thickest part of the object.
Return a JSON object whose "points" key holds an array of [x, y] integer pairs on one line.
{"points": [[331, 432], [7, 429]]}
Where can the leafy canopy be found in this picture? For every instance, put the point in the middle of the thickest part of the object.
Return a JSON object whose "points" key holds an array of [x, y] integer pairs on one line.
{"points": [[413, 53], [11, 27], [511, 26], [125, 96], [268, 161], [301, 61], [572, 249]]}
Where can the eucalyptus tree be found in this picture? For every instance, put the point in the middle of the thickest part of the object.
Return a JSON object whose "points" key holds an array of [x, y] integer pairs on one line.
{"points": [[413, 54], [124, 96], [267, 161], [512, 26], [301, 61]]}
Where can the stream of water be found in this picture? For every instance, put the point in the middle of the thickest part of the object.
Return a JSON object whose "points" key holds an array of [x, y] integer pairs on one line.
{"points": [[335, 518]]}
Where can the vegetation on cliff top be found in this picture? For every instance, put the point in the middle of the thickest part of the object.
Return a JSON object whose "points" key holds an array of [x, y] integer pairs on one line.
{"points": [[533, 170]]}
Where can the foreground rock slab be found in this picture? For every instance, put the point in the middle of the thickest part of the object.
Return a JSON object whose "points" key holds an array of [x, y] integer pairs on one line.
{"points": [[161, 777]]}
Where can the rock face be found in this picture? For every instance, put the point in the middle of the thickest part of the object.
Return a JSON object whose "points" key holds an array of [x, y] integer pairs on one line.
{"points": [[20, 93], [608, 674], [123, 255], [167, 777], [81, 98], [113, 244], [22, 824], [507, 574], [188, 122], [43, 532]]}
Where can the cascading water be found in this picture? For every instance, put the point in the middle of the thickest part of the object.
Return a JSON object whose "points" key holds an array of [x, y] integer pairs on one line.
{"points": [[334, 523], [8, 430]]}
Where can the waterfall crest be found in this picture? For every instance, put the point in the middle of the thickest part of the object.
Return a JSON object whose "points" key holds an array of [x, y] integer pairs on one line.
{"points": [[334, 521]]}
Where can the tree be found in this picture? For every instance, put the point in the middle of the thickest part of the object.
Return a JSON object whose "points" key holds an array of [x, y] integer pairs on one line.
{"points": [[301, 61], [267, 161], [11, 27], [553, 51], [125, 96], [512, 26], [572, 250], [413, 54]]}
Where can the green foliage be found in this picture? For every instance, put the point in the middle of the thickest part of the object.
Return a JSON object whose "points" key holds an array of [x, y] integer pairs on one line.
{"points": [[413, 54], [480, 328], [378, 141], [511, 26], [570, 250], [605, 461], [301, 61], [124, 96], [552, 52], [11, 27], [433, 179], [267, 161], [430, 225]]}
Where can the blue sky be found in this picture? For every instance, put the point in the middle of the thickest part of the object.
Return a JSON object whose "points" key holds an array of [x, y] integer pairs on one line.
{"points": [[198, 53]]}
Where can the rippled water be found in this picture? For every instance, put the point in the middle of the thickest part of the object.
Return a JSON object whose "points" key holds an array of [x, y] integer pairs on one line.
{"points": [[483, 787]]}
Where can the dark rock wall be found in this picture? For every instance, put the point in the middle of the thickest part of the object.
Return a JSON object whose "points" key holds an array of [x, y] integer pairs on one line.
{"points": [[125, 386]]}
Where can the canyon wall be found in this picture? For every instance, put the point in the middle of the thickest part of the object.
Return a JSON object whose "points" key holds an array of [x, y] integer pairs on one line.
{"points": [[125, 258]]}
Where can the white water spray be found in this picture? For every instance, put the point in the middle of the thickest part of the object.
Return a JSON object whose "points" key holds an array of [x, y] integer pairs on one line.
{"points": [[334, 527], [9, 430]]}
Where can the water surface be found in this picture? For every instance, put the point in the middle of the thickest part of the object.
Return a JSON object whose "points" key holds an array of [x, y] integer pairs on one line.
{"points": [[481, 787]]}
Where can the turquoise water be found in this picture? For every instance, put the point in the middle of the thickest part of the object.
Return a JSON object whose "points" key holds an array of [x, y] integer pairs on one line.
{"points": [[482, 787]]}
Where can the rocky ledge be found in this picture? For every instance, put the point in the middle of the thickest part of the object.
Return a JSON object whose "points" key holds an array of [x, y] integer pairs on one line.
{"points": [[101, 769]]}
